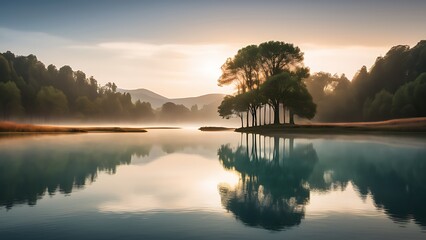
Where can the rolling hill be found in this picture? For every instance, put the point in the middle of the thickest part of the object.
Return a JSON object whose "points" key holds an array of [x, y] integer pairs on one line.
{"points": [[157, 100]]}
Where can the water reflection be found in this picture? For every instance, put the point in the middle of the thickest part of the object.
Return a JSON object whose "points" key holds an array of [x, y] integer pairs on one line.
{"points": [[277, 174], [266, 182], [273, 190], [32, 166], [28, 173]]}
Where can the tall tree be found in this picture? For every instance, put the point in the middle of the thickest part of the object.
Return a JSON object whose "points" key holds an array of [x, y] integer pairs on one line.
{"points": [[278, 89], [276, 57], [242, 70]]}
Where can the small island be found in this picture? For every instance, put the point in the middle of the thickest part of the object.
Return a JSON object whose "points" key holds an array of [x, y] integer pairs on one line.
{"points": [[409, 125]]}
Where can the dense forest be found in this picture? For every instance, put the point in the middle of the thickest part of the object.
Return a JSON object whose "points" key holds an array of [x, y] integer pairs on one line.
{"points": [[394, 87], [31, 91]]}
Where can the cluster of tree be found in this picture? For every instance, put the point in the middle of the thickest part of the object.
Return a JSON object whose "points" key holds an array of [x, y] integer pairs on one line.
{"points": [[267, 77], [171, 112], [394, 87], [30, 90]]}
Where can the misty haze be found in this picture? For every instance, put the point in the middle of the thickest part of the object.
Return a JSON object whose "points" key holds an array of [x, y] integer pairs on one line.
{"points": [[212, 120]]}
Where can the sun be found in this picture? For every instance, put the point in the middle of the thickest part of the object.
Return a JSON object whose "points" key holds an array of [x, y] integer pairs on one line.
{"points": [[211, 67], [207, 60]]}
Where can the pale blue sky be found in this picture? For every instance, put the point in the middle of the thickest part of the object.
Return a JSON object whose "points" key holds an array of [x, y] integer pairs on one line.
{"points": [[176, 47]]}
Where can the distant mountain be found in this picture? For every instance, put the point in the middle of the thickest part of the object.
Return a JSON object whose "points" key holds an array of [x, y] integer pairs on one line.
{"points": [[145, 95], [156, 100]]}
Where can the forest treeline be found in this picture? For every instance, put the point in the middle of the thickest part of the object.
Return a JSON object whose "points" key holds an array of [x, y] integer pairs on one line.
{"points": [[394, 87], [31, 91]]}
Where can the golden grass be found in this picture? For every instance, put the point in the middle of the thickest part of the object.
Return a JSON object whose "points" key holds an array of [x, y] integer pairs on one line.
{"points": [[11, 127], [411, 125]]}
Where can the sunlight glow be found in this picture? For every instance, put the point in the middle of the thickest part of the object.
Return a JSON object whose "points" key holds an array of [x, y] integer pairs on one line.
{"points": [[167, 183], [335, 59]]}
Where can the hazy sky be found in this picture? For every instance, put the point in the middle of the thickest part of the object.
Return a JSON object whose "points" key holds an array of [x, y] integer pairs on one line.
{"points": [[176, 48]]}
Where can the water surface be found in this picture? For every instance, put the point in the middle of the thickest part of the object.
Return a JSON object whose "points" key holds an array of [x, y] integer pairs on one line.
{"points": [[186, 184]]}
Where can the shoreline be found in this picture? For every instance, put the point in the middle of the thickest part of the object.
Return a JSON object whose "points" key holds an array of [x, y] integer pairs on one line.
{"points": [[394, 126], [11, 128]]}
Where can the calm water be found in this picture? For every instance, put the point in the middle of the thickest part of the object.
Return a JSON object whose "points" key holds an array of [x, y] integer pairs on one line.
{"points": [[186, 184]]}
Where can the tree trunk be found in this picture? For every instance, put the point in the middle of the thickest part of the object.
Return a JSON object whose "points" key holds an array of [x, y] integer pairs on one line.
{"points": [[291, 117], [277, 114], [253, 118], [264, 115], [284, 113], [247, 116], [242, 122]]}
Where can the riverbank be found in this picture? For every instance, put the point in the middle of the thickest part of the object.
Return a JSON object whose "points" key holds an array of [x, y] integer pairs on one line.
{"points": [[11, 127], [408, 125]]}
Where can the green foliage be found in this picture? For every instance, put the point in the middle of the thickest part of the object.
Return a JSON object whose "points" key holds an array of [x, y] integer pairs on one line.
{"points": [[227, 107], [389, 89], [10, 100], [270, 73], [300, 102], [410, 99], [276, 57], [85, 106], [52, 102], [5, 72], [32, 90], [380, 108]]}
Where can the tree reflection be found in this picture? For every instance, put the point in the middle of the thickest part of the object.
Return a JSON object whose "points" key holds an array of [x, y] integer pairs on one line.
{"points": [[277, 175], [272, 190], [33, 166], [28, 175]]}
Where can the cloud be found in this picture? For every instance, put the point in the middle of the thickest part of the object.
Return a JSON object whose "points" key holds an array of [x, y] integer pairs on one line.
{"points": [[144, 50], [29, 42]]}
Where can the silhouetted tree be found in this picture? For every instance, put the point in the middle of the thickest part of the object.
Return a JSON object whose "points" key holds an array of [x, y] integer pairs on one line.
{"points": [[276, 57], [242, 70], [252, 67], [173, 112]]}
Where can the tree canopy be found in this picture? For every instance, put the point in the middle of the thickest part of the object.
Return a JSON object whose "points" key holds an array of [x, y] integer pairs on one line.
{"points": [[270, 74]]}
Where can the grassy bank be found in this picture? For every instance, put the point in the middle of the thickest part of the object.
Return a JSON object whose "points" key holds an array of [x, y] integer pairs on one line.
{"points": [[409, 125], [11, 127]]}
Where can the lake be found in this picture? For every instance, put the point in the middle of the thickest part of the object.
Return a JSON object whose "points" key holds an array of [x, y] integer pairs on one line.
{"points": [[187, 184]]}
